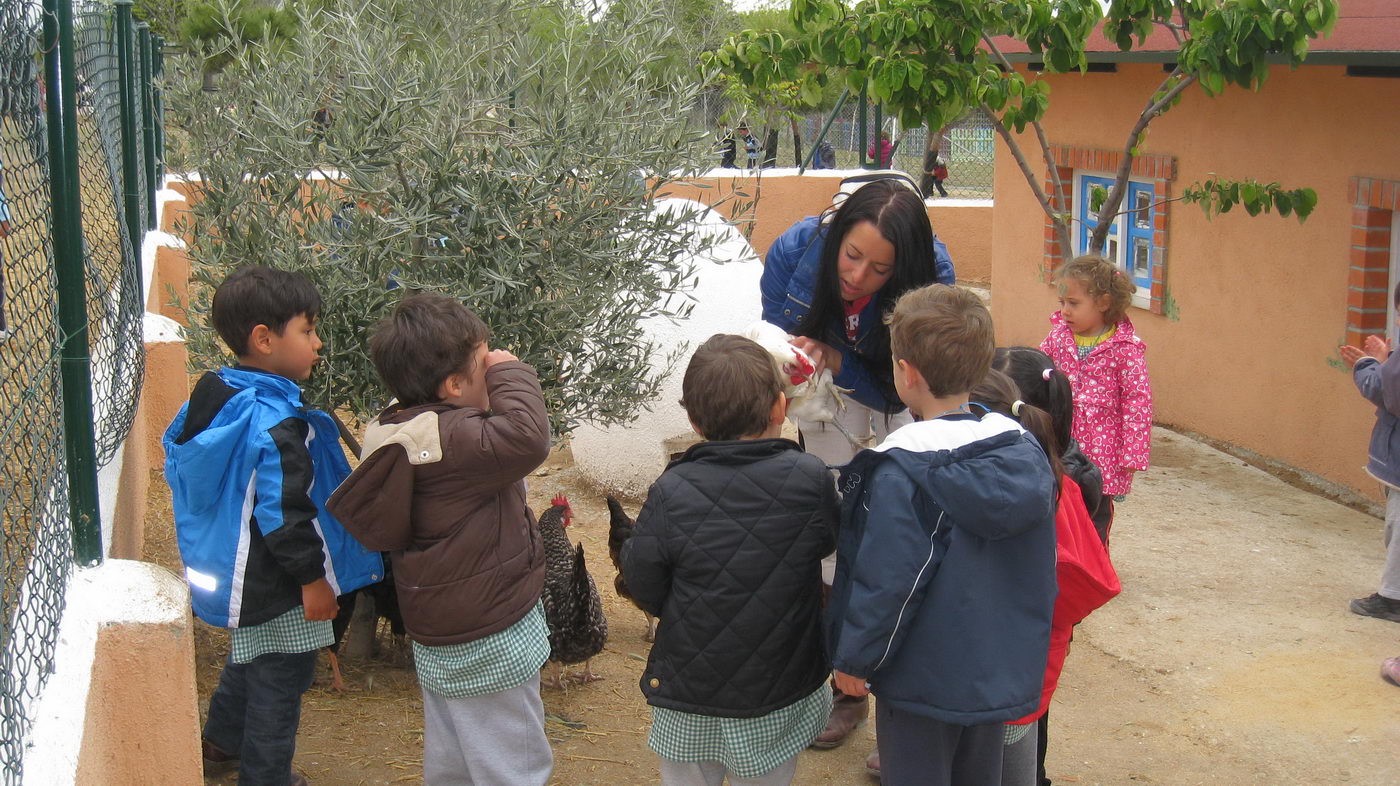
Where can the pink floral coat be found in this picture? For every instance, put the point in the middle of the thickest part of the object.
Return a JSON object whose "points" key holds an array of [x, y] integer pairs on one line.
{"points": [[1112, 400]]}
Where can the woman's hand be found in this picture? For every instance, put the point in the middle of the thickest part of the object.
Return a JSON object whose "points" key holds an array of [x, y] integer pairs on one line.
{"points": [[823, 355]]}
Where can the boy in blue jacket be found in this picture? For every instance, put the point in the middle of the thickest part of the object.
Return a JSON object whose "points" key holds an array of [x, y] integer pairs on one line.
{"points": [[250, 469], [945, 575]]}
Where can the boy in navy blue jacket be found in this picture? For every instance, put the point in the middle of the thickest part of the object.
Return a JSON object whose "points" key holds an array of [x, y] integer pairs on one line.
{"points": [[250, 469], [945, 576]]}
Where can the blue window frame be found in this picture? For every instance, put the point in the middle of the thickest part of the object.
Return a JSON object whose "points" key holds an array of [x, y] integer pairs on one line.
{"points": [[1129, 241]]}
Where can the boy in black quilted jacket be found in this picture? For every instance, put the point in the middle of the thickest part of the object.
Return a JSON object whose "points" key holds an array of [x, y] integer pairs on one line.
{"points": [[727, 552]]}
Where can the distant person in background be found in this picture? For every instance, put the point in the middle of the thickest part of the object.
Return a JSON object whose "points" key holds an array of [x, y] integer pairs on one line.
{"points": [[750, 145], [939, 173], [882, 152], [724, 145], [1376, 371]]}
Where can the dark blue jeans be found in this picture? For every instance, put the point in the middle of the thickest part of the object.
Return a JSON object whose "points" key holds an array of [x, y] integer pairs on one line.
{"points": [[255, 711]]}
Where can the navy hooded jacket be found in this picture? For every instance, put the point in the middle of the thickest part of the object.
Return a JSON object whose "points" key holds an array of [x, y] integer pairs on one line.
{"points": [[945, 575]]}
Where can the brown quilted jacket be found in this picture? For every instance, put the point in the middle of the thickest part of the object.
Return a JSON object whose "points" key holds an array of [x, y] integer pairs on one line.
{"points": [[442, 489]]}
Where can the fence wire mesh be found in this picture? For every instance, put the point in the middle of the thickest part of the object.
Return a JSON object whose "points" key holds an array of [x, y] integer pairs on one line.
{"points": [[111, 271], [967, 147], [36, 551], [34, 536]]}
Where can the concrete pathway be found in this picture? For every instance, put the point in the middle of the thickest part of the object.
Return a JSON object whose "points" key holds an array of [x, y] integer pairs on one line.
{"points": [[1231, 656]]}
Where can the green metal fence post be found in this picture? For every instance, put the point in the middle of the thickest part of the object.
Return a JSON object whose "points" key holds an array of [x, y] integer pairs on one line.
{"points": [[75, 365], [157, 71], [126, 85], [148, 131], [821, 135]]}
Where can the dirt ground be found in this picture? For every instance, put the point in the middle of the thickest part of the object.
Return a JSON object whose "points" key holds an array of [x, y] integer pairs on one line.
{"points": [[1230, 657]]}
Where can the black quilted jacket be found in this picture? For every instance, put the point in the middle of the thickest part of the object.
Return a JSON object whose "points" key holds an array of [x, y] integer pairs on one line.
{"points": [[727, 552]]}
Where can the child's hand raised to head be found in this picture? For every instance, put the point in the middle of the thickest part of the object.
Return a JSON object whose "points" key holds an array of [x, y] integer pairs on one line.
{"points": [[499, 356], [319, 600]]}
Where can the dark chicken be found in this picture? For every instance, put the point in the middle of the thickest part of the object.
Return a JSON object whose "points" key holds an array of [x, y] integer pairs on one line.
{"points": [[619, 530], [572, 608], [385, 599]]}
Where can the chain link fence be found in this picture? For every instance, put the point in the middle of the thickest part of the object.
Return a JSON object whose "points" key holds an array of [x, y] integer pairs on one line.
{"points": [[37, 530], [968, 146]]}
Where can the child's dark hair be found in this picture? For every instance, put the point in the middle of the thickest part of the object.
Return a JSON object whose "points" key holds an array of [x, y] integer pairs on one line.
{"points": [[257, 295], [998, 393], [900, 216], [1101, 277], [944, 332], [426, 339], [729, 388], [1042, 386]]}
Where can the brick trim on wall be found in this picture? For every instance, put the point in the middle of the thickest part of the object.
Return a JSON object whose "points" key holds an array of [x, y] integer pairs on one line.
{"points": [[1374, 202], [1158, 169]]}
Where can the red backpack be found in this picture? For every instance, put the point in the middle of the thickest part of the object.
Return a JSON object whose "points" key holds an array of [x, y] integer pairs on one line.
{"points": [[1086, 581]]}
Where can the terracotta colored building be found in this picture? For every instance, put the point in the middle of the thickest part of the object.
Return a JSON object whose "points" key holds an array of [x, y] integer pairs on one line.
{"points": [[1242, 315]]}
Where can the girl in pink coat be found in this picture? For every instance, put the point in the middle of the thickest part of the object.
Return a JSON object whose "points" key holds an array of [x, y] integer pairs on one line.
{"points": [[1092, 341]]}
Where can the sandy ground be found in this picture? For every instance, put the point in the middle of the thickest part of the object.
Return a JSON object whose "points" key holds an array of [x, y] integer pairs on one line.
{"points": [[1230, 657]]}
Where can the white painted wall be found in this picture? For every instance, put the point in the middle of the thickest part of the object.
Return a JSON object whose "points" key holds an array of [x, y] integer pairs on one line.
{"points": [[628, 458]]}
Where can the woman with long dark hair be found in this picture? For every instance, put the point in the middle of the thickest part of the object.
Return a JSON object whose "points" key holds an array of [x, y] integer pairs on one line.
{"points": [[829, 280]]}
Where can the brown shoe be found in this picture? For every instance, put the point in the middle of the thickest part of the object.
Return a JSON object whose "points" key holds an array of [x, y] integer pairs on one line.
{"points": [[872, 764], [848, 713]]}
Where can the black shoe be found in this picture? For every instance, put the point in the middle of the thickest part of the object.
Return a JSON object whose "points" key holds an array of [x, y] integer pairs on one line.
{"points": [[1378, 606]]}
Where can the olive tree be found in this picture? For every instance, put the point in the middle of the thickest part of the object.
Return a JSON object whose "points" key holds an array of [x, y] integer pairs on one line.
{"points": [[932, 60], [505, 152]]}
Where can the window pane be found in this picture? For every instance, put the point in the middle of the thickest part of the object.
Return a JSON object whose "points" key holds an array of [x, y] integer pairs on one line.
{"points": [[1142, 210], [1142, 252]]}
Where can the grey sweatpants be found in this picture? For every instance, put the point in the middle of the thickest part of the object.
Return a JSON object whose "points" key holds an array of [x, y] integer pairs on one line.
{"points": [[1018, 760], [492, 740], [712, 773], [916, 750], [1390, 578]]}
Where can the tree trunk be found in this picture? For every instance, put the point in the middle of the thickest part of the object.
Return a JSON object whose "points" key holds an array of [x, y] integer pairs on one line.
{"points": [[933, 144], [770, 149], [796, 143]]}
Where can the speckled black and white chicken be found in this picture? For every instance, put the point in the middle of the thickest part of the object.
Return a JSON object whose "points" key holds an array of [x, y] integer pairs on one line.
{"points": [[572, 608]]}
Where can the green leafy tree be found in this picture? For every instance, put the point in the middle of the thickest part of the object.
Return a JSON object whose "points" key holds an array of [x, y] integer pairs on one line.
{"points": [[221, 30], [931, 60], [394, 147]]}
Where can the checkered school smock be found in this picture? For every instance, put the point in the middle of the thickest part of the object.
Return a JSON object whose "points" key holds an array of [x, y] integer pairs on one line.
{"points": [[492, 664], [747, 747], [288, 633]]}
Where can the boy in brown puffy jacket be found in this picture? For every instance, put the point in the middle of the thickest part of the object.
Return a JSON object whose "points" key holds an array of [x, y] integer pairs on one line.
{"points": [[441, 488]]}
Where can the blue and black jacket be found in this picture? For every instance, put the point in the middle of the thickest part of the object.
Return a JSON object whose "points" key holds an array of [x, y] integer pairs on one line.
{"points": [[789, 282], [250, 470], [945, 573]]}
